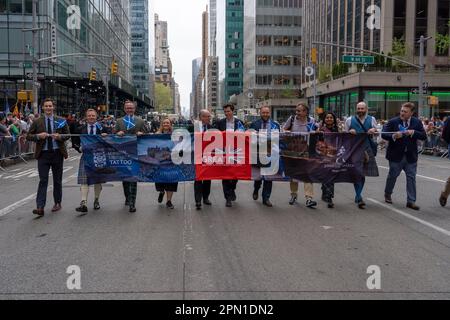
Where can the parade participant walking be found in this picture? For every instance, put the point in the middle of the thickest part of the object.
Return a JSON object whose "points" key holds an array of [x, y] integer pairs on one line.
{"points": [[130, 124], [329, 125], [301, 123], [166, 188], [363, 123], [230, 123], [50, 134], [402, 152], [446, 137], [92, 127], [202, 189], [264, 124]]}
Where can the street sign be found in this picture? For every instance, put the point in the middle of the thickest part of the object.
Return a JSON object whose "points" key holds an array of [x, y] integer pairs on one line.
{"points": [[309, 71], [359, 59], [416, 91], [25, 64], [29, 75]]}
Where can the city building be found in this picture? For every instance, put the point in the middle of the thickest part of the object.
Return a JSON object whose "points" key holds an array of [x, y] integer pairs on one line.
{"points": [[230, 45], [104, 29], [163, 64], [205, 54], [272, 48], [212, 96], [196, 77], [392, 27], [142, 47]]}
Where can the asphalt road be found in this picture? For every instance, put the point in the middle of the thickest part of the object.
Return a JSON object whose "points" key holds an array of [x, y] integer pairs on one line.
{"points": [[246, 252]]}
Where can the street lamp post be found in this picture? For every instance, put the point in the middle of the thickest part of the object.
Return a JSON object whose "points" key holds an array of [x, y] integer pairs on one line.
{"points": [[422, 42]]}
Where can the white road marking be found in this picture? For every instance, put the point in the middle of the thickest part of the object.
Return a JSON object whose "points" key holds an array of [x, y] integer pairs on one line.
{"points": [[20, 203], [407, 215], [21, 174], [420, 176]]}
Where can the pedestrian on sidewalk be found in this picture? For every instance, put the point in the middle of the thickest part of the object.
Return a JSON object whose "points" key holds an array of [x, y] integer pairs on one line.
{"points": [[402, 152], [166, 188], [92, 127], [50, 133]]}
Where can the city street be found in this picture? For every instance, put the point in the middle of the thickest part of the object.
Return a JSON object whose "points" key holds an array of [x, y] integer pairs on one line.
{"points": [[245, 252]]}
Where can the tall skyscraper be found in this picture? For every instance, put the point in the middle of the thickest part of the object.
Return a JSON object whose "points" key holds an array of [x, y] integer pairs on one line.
{"points": [[140, 46], [272, 33], [163, 65], [385, 26], [104, 29], [230, 44]]}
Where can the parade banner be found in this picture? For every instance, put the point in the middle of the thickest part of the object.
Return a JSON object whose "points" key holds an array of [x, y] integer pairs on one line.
{"points": [[222, 155], [110, 158], [163, 160], [215, 155], [323, 158]]}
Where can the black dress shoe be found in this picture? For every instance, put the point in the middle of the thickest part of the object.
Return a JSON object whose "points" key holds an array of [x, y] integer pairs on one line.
{"points": [[82, 208], [161, 197], [207, 202], [57, 207], [198, 206], [443, 200], [132, 208], [255, 195], [233, 197], [330, 205], [267, 203], [228, 204], [169, 205], [361, 205], [412, 206], [39, 212], [388, 198], [96, 204]]}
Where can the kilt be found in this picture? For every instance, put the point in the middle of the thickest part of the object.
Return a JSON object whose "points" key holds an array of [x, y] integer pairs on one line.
{"points": [[370, 169], [83, 179], [170, 187]]}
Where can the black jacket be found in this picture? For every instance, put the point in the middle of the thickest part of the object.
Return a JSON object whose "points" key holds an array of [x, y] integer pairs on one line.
{"points": [[221, 125], [406, 145], [446, 131]]}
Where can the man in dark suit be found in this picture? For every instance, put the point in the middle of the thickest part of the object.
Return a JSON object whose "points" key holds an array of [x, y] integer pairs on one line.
{"points": [[446, 137], [402, 152], [229, 123], [202, 189], [91, 127], [265, 124], [130, 124], [50, 134]]}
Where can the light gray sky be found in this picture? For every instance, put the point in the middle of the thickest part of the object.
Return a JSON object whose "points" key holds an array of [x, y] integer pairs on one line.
{"points": [[184, 19]]}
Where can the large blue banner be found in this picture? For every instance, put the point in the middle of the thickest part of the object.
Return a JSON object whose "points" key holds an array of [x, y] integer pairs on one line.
{"points": [[142, 159]]}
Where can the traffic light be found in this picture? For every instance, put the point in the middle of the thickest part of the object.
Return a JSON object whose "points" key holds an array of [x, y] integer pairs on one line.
{"points": [[93, 75], [314, 55], [114, 68]]}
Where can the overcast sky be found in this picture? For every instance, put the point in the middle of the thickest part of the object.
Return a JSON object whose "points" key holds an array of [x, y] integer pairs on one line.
{"points": [[184, 19]]}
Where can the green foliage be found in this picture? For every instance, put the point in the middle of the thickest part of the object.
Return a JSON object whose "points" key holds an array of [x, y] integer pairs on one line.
{"points": [[324, 73], [339, 69], [163, 97], [399, 47]]}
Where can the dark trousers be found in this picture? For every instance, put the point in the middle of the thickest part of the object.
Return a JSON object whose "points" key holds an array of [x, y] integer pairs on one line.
{"points": [[395, 168], [267, 188], [50, 160], [229, 188], [328, 192], [202, 190], [130, 191]]}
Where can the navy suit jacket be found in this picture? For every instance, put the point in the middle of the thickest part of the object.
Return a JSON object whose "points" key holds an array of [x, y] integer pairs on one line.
{"points": [[406, 145], [222, 124], [256, 125], [446, 131]]}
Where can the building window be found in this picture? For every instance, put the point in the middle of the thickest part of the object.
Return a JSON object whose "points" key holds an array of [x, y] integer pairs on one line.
{"points": [[442, 22], [281, 61], [263, 41], [263, 60], [421, 23]]}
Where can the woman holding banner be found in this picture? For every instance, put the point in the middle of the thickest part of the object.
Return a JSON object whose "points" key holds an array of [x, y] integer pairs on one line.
{"points": [[329, 126], [169, 188]]}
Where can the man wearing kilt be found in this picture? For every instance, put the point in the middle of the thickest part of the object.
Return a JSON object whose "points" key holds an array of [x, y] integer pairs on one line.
{"points": [[130, 124], [92, 127], [363, 123]]}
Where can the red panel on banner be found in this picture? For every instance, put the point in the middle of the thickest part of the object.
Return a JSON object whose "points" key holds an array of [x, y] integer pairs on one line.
{"points": [[222, 156]]}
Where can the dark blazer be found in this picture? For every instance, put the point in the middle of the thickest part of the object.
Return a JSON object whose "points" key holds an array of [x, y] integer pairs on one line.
{"points": [[221, 125], [38, 126], [256, 125], [406, 145], [83, 129], [446, 131], [139, 126]]}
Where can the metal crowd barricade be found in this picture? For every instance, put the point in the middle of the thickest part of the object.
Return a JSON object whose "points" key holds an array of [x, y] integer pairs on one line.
{"points": [[17, 148]]}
